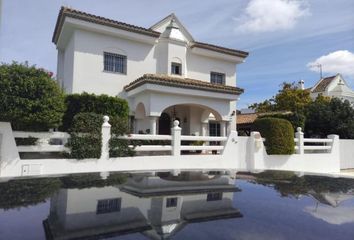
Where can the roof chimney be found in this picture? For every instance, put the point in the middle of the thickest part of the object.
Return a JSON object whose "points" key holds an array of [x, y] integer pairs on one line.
{"points": [[301, 85]]}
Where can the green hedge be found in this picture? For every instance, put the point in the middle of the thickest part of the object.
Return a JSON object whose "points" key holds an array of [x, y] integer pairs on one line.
{"points": [[27, 192], [296, 119], [120, 147], [279, 135], [89, 180], [99, 104], [86, 136], [29, 98]]}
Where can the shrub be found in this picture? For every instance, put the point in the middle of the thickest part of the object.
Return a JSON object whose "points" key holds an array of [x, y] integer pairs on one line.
{"points": [[23, 193], [120, 147], [86, 136], [296, 119], [89, 180], [29, 98], [99, 104], [279, 135]]}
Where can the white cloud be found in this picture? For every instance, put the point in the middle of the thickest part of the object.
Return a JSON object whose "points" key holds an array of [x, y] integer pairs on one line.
{"points": [[341, 61], [272, 15]]}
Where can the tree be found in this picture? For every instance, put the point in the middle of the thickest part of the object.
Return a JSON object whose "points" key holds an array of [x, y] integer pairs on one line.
{"points": [[288, 98], [324, 117], [30, 98], [291, 98]]}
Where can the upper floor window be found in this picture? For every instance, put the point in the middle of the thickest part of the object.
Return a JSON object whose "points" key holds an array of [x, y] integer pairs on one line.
{"points": [[171, 202], [217, 78], [115, 63], [176, 68], [216, 196], [108, 205]]}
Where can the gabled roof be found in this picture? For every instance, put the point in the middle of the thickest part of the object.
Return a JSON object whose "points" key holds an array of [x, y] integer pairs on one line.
{"points": [[168, 19], [322, 84], [225, 50], [72, 13], [76, 14], [165, 80]]}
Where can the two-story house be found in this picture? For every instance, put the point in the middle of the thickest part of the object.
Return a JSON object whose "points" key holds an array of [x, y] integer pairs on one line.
{"points": [[333, 86], [161, 71]]}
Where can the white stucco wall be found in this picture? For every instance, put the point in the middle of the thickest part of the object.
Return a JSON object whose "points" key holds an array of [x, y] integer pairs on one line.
{"points": [[67, 66], [89, 74], [346, 153], [199, 67], [82, 62]]}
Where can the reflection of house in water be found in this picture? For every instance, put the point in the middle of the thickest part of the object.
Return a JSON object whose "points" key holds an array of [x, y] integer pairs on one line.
{"points": [[330, 207], [156, 207], [332, 198]]}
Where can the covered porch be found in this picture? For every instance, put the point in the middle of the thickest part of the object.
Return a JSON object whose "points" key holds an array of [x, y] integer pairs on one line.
{"points": [[202, 108]]}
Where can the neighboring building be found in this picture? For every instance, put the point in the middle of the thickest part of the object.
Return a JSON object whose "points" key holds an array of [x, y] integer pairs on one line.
{"points": [[245, 120], [154, 207], [162, 71], [334, 86]]}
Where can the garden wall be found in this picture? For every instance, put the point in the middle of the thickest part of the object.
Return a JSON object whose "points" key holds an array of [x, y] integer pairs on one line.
{"points": [[346, 153]]}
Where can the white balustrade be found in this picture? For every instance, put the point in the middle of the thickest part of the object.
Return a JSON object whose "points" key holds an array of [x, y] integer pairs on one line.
{"points": [[43, 143], [300, 141]]}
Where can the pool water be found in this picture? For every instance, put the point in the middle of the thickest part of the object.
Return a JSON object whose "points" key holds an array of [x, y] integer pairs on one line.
{"points": [[190, 206]]}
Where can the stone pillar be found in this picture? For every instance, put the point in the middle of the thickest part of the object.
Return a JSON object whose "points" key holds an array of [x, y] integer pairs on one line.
{"points": [[176, 138], [300, 141], [106, 136], [204, 129], [153, 125], [222, 128]]}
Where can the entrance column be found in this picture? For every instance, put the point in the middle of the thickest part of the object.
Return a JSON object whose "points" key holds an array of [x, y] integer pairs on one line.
{"points": [[223, 128], [204, 129], [153, 125]]}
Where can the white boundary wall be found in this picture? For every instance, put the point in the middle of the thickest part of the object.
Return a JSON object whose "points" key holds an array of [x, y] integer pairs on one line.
{"points": [[252, 156], [12, 166], [236, 154], [346, 153]]}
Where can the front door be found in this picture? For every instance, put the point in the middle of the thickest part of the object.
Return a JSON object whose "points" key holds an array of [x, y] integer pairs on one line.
{"points": [[214, 129], [165, 124]]}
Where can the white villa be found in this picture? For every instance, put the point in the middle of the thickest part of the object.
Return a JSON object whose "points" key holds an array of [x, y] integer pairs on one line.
{"points": [[162, 72], [334, 86]]}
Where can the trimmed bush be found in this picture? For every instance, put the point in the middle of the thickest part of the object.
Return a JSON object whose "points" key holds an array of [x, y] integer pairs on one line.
{"points": [[279, 135], [120, 147], [89, 180], [29, 98], [99, 104], [24, 193], [86, 136], [296, 119]]}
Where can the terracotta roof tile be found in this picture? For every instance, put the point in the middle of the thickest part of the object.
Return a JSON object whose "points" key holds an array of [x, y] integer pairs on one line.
{"points": [[225, 50], [165, 80], [68, 12], [246, 118], [323, 84]]}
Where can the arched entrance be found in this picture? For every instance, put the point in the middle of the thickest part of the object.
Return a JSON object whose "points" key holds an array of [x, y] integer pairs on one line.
{"points": [[165, 124]]}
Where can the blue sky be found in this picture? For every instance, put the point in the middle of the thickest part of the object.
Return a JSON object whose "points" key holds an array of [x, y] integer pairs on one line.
{"points": [[284, 37]]}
